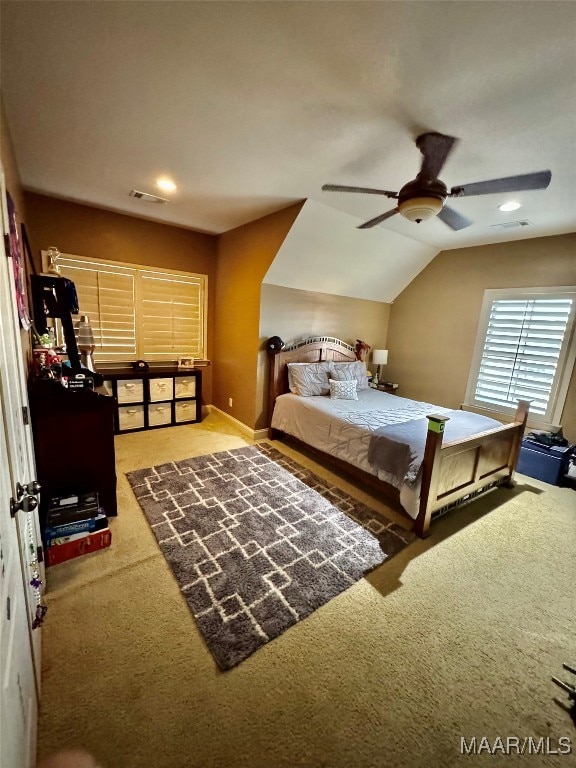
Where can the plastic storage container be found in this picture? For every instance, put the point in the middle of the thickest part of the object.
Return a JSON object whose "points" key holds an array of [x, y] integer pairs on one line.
{"points": [[543, 462]]}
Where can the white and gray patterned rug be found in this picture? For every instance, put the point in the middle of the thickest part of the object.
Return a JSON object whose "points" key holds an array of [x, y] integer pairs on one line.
{"points": [[257, 542]]}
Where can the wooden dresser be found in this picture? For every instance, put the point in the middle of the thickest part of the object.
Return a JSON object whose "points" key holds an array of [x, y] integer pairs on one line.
{"points": [[73, 443]]}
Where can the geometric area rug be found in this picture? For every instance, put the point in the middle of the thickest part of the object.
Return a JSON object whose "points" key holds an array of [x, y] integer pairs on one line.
{"points": [[257, 542]]}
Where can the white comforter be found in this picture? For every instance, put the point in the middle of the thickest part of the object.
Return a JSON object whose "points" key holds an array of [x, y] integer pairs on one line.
{"points": [[343, 428]]}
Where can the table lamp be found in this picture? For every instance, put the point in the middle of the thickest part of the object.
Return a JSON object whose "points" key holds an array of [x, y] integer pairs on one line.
{"points": [[85, 340], [379, 358]]}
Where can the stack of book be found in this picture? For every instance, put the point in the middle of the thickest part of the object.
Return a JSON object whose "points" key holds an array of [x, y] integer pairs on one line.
{"points": [[75, 525]]}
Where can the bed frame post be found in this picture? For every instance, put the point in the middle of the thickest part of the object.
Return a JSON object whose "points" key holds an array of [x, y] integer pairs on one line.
{"points": [[520, 417], [429, 486], [273, 392]]}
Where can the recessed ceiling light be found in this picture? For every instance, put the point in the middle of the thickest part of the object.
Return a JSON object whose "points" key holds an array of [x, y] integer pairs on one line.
{"points": [[511, 206], [166, 185]]}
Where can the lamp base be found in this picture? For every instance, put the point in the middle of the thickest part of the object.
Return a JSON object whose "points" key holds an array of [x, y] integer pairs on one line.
{"points": [[87, 361]]}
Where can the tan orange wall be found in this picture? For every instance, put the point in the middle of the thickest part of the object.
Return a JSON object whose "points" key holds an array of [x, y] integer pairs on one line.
{"points": [[293, 315], [11, 173], [244, 255], [433, 322], [14, 187], [86, 231]]}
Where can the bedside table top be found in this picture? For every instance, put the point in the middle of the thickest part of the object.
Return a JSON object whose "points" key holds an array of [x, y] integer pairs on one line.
{"points": [[387, 387]]}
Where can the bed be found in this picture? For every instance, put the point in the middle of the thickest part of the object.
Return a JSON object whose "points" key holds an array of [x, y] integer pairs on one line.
{"points": [[424, 458]]}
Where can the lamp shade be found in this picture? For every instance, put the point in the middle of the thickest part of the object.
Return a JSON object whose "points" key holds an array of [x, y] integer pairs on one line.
{"points": [[380, 356]]}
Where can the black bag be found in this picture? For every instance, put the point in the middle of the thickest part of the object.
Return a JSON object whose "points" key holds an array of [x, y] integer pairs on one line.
{"points": [[548, 438]]}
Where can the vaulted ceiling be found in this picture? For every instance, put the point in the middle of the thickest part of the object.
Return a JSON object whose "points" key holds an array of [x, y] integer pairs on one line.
{"points": [[251, 106]]}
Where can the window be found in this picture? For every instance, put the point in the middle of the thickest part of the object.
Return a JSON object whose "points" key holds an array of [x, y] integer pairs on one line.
{"points": [[525, 350], [140, 312], [171, 315]]}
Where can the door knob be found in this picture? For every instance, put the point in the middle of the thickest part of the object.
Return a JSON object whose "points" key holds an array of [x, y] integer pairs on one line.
{"points": [[32, 487], [26, 503]]}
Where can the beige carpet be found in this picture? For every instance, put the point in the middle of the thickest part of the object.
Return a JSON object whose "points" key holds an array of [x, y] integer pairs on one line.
{"points": [[456, 636]]}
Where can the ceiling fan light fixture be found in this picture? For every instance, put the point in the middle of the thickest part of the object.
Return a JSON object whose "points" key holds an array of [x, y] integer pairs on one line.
{"points": [[420, 208], [424, 197]]}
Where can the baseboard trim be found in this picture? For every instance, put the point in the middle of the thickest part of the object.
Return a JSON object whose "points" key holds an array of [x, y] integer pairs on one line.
{"points": [[253, 434]]}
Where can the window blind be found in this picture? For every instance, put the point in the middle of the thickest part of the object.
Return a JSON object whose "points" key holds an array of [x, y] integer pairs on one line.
{"points": [[522, 353], [170, 316], [137, 312], [106, 295]]}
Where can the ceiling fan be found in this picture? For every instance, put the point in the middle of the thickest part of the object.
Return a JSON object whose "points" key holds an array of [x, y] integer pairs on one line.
{"points": [[425, 196]]}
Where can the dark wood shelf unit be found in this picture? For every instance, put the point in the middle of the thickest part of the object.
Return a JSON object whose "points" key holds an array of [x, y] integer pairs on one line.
{"points": [[73, 442], [154, 397]]}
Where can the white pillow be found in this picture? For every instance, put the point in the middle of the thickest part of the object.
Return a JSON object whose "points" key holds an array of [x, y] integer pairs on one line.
{"points": [[343, 390], [350, 371], [309, 379]]}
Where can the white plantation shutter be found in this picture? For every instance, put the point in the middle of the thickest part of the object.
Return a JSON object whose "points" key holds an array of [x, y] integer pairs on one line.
{"points": [[139, 313], [170, 316], [106, 295], [522, 349]]}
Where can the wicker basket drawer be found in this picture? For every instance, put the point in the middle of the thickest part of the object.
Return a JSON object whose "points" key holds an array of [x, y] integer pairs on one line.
{"points": [[185, 386], [161, 389], [160, 413], [130, 391], [185, 410], [130, 417]]}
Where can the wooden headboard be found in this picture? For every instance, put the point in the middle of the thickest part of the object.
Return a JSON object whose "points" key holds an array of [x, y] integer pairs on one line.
{"points": [[316, 349]]}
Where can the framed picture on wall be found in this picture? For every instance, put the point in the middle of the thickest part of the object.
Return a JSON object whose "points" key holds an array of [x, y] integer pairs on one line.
{"points": [[186, 362], [15, 251]]}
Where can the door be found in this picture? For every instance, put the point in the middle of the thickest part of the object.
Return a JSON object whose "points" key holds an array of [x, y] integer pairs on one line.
{"points": [[22, 575], [19, 439], [18, 697]]}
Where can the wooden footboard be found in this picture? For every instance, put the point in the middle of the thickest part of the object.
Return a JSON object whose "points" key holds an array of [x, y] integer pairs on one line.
{"points": [[453, 472]]}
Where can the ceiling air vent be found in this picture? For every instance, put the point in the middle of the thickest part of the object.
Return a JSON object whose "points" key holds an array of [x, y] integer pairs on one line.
{"points": [[146, 197], [512, 224]]}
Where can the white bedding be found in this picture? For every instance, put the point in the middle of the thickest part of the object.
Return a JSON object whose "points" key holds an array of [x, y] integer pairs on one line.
{"points": [[343, 428]]}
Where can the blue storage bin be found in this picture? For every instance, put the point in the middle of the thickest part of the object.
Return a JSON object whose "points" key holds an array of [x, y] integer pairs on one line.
{"points": [[543, 462]]}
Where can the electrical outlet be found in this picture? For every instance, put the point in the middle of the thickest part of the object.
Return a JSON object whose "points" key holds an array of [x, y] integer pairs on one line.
{"points": [[230, 402]]}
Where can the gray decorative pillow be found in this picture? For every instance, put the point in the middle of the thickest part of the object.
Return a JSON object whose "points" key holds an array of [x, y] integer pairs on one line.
{"points": [[309, 379], [343, 390], [350, 371]]}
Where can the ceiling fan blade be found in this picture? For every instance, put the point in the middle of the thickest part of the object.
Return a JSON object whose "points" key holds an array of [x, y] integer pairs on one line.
{"points": [[454, 219], [435, 147], [539, 180], [378, 219], [364, 190]]}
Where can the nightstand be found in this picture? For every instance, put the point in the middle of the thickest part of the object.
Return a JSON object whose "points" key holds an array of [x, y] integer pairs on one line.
{"points": [[391, 389]]}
